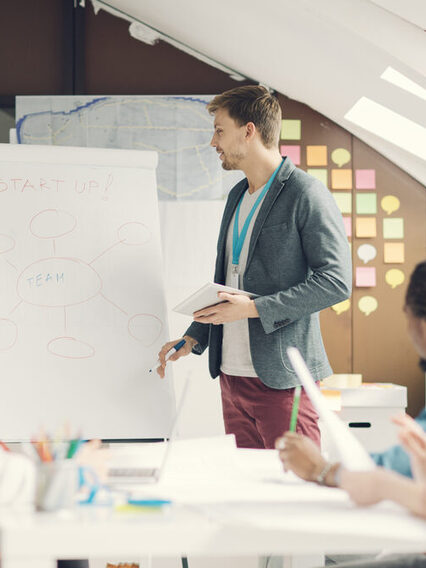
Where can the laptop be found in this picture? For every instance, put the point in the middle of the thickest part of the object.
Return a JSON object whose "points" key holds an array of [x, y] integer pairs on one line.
{"points": [[352, 454], [134, 474]]}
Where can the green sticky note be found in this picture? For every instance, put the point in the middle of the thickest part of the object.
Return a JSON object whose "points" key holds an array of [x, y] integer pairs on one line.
{"points": [[366, 203], [393, 228], [319, 173], [291, 129], [344, 201]]}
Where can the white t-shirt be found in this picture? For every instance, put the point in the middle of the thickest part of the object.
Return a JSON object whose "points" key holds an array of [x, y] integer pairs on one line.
{"points": [[236, 357]]}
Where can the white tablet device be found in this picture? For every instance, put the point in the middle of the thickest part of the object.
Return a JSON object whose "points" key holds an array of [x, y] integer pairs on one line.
{"points": [[207, 296]]}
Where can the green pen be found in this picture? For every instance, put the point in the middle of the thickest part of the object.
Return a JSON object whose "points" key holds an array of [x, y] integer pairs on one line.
{"points": [[295, 409]]}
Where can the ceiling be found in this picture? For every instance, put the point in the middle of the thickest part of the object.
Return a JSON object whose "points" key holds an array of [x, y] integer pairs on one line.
{"points": [[328, 54]]}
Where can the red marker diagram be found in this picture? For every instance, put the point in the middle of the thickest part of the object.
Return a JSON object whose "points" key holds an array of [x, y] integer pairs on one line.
{"points": [[61, 282]]}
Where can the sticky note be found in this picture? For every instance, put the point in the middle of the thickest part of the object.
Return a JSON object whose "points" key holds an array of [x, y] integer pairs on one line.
{"points": [[365, 179], [394, 253], [347, 221], [341, 156], [341, 179], [316, 155], [293, 152], [393, 228], [319, 173], [365, 227], [344, 201], [365, 276], [290, 129], [394, 277], [390, 204], [367, 305], [366, 203], [341, 307], [366, 252]]}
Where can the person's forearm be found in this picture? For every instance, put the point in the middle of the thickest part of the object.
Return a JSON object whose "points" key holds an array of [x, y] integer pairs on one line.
{"points": [[405, 492]]}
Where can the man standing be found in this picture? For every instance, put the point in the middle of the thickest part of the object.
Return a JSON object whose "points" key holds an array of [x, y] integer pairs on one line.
{"points": [[281, 237]]}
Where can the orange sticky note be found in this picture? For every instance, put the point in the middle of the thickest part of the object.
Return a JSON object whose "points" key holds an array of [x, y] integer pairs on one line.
{"points": [[394, 253], [365, 227], [316, 155], [341, 179]]}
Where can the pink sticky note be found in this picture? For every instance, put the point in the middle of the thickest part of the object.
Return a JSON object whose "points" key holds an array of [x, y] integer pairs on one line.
{"points": [[365, 179], [347, 221], [365, 276], [293, 152]]}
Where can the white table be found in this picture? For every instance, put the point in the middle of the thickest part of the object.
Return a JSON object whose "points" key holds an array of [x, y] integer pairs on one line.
{"points": [[243, 509], [38, 539]]}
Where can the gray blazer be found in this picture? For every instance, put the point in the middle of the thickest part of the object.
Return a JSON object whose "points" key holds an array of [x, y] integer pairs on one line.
{"points": [[298, 263]]}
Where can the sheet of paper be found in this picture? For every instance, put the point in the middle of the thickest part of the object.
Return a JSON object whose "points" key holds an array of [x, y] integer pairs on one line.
{"points": [[341, 179], [319, 173], [394, 253], [365, 227], [344, 201], [293, 152], [366, 203], [352, 454], [291, 129], [365, 276], [347, 221], [393, 228], [316, 155], [365, 179]]}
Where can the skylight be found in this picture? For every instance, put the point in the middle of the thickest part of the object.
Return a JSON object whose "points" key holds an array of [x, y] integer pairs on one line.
{"points": [[389, 125], [396, 78]]}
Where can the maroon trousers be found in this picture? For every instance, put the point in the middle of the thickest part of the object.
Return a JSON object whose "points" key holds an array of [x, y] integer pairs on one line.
{"points": [[258, 414]]}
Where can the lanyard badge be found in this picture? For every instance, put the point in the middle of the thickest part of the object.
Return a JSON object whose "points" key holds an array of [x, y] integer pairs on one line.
{"points": [[238, 239]]}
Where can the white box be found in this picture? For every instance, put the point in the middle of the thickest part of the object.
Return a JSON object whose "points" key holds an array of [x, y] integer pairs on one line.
{"points": [[367, 411]]}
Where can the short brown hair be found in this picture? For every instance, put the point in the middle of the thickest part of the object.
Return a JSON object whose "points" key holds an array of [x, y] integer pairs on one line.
{"points": [[252, 103]]}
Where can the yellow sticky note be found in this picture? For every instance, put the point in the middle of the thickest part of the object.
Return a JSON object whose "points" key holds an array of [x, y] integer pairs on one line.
{"points": [[341, 179], [394, 253], [365, 227], [393, 228], [290, 129], [344, 201], [316, 155], [319, 173]]}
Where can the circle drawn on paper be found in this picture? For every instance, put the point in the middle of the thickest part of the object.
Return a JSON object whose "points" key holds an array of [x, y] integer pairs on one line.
{"points": [[145, 328], [52, 224], [58, 282], [134, 234], [70, 348]]}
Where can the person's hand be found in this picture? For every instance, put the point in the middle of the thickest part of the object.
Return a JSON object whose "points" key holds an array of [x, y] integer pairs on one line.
{"points": [[300, 455], [364, 487], [413, 438], [234, 307], [91, 454], [185, 350]]}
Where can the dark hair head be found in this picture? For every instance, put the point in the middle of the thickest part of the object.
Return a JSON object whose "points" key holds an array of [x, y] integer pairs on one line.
{"points": [[415, 297], [255, 104]]}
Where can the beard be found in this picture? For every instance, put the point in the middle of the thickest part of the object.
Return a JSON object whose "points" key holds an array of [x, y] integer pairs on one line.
{"points": [[232, 161]]}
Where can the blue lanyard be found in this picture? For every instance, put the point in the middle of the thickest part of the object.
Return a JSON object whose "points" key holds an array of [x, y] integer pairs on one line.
{"points": [[238, 240]]}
